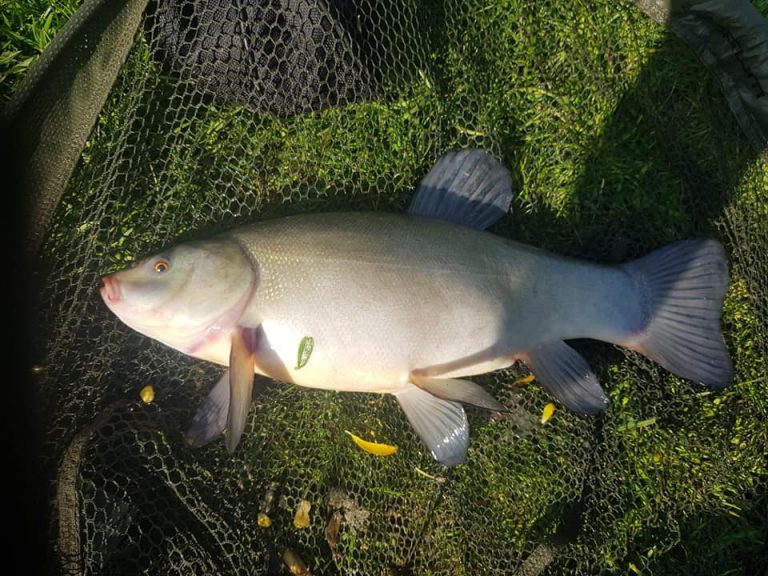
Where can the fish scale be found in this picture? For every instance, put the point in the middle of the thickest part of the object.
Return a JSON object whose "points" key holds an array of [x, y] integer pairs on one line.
{"points": [[380, 308]]}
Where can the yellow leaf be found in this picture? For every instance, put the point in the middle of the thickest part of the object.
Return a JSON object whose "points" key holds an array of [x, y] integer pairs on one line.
{"points": [[634, 568], [263, 520], [546, 414], [147, 394], [524, 380], [373, 447], [301, 516]]}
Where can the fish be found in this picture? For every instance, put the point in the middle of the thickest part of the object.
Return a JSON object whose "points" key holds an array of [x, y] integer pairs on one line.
{"points": [[414, 304]]}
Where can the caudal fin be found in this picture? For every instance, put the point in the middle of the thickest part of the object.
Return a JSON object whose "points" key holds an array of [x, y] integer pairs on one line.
{"points": [[682, 287]]}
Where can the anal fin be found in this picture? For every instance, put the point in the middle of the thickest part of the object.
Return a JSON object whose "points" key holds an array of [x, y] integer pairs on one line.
{"points": [[441, 425], [565, 373]]}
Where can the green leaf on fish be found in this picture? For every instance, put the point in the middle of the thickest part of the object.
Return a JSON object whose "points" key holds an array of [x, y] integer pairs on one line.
{"points": [[305, 351]]}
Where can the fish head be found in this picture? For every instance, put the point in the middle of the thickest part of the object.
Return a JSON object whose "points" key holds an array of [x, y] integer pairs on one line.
{"points": [[184, 294]]}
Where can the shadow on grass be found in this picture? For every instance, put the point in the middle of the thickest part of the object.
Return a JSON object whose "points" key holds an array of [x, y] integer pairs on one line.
{"points": [[719, 542], [664, 167]]}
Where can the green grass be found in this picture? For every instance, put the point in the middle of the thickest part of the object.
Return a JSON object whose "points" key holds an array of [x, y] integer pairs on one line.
{"points": [[26, 28], [618, 141]]}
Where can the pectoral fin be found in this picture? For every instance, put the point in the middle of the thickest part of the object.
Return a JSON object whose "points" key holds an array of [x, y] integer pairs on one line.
{"points": [[463, 391], [441, 425], [566, 374], [211, 418], [242, 360]]}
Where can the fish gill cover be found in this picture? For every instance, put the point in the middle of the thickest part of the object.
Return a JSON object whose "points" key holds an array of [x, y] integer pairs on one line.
{"points": [[618, 141]]}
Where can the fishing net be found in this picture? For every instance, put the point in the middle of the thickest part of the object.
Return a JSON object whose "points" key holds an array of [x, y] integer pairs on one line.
{"points": [[618, 140]]}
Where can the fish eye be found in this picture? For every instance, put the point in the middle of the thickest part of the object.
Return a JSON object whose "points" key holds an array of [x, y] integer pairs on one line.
{"points": [[161, 265]]}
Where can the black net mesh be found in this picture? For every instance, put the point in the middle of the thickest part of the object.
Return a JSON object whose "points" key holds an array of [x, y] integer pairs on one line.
{"points": [[281, 57], [229, 112], [54, 109]]}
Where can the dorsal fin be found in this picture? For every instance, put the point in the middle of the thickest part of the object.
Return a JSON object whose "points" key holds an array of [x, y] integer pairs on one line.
{"points": [[467, 187]]}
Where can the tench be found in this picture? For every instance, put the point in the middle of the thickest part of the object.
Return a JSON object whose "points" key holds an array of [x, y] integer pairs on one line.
{"points": [[412, 304]]}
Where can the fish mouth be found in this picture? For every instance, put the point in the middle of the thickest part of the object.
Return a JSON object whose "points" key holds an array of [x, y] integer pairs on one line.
{"points": [[110, 291]]}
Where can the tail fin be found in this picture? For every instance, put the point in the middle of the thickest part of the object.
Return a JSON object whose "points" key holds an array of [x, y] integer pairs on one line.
{"points": [[682, 286]]}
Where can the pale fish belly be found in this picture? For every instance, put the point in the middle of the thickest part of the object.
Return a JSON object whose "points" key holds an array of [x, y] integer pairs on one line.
{"points": [[353, 369], [278, 355], [329, 366]]}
